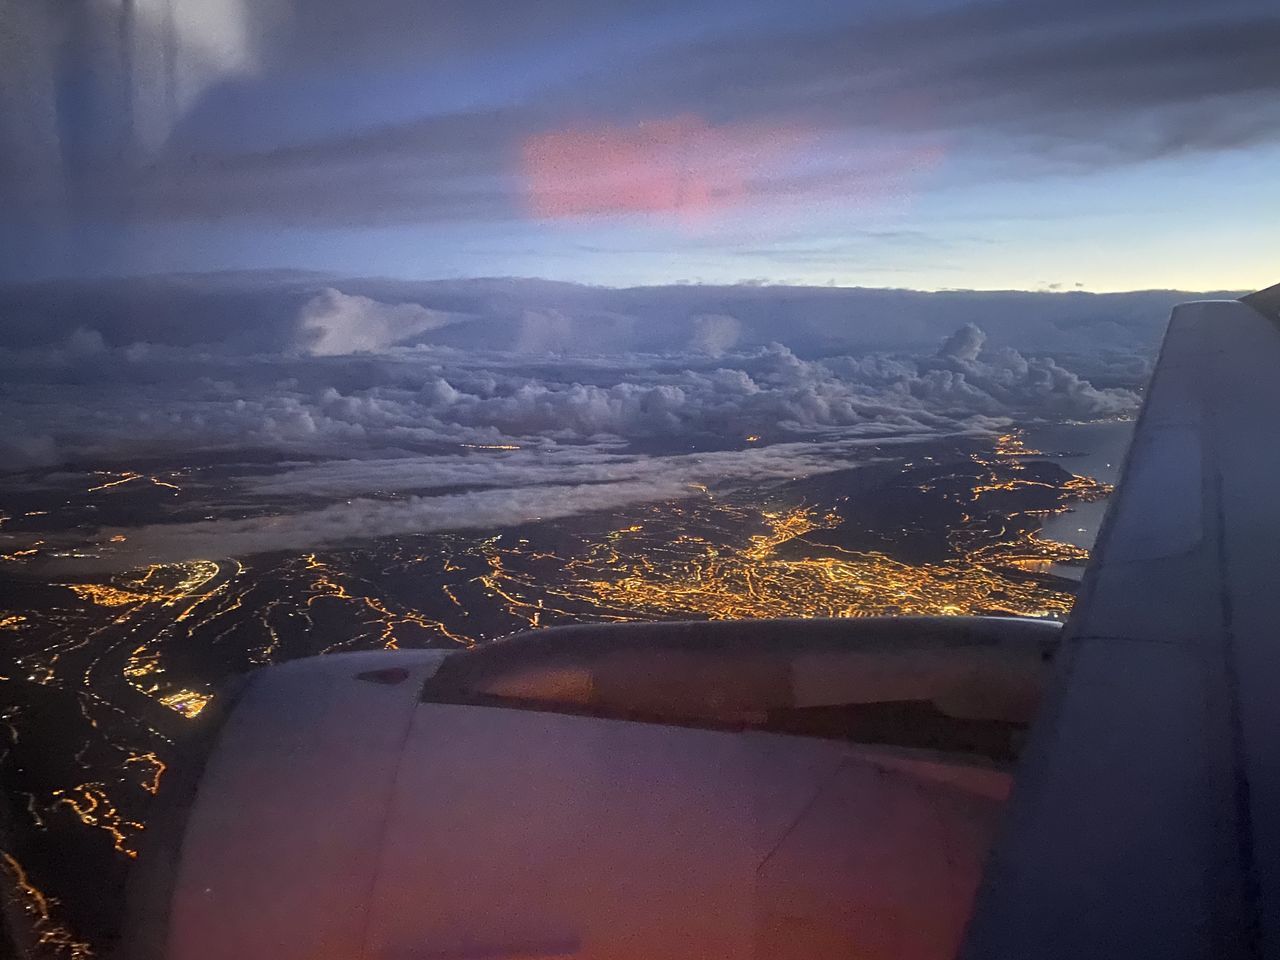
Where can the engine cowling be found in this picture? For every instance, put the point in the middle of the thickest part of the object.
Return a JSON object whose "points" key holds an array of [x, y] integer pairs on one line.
{"points": [[760, 789]]}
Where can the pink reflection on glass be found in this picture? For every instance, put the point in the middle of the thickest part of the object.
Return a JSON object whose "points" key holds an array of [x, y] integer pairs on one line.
{"points": [[687, 169], [682, 166]]}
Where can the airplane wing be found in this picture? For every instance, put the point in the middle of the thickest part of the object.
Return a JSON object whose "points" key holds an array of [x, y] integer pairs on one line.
{"points": [[1266, 301], [1145, 816]]}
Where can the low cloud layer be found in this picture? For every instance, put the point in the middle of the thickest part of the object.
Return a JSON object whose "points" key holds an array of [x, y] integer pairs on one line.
{"points": [[513, 491], [369, 417]]}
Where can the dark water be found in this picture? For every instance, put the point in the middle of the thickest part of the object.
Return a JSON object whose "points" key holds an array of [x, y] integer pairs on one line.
{"points": [[1092, 449]]}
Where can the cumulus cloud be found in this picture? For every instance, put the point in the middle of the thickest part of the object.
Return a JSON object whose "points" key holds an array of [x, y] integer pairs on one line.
{"points": [[156, 402], [333, 322], [965, 344], [86, 398]]}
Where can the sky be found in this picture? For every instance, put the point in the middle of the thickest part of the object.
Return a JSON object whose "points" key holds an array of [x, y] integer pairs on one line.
{"points": [[930, 144]]}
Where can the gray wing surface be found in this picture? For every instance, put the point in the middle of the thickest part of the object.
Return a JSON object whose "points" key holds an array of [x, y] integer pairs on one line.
{"points": [[1266, 301], [1145, 818]]}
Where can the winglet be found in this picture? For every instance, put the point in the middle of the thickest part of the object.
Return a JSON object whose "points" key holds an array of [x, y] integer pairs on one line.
{"points": [[1266, 302]]}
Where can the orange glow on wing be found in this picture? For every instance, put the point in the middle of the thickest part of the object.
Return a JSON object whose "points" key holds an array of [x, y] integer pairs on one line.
{"points": [[683, 166]]}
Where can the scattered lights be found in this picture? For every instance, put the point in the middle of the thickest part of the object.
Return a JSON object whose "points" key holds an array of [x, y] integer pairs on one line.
{"points": [[491, 446], [752, 438], [41, 673], [1009, 451], [166, 584], [189, 703], [190, 585], [21, 556], [121, 478], [693, 561], [1031, 553], [453, 598], [157, 768], [1088, 488], [327, 585], [143, 663], [195, 576], [1012, 445], [93, 807], [38, 908], [129, 476], [755, 580], [107, 596]]}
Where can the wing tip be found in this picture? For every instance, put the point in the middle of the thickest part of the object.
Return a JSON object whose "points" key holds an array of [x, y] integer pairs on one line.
{"points": [[1266, 302]]}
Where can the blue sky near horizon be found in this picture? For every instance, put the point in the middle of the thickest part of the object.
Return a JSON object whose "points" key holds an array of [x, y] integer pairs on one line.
{"points": [[997, 145]]}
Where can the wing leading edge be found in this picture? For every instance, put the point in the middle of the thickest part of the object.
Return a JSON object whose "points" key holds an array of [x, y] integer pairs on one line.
{"points": [[1145, 818]]}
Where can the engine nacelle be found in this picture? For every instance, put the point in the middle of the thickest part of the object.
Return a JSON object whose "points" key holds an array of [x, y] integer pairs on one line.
{"points": [[758, 789]]}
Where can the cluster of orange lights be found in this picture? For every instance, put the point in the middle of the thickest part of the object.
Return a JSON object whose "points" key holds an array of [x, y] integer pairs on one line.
{"points": [[635, 572], [766, 576], [93, 807]]}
